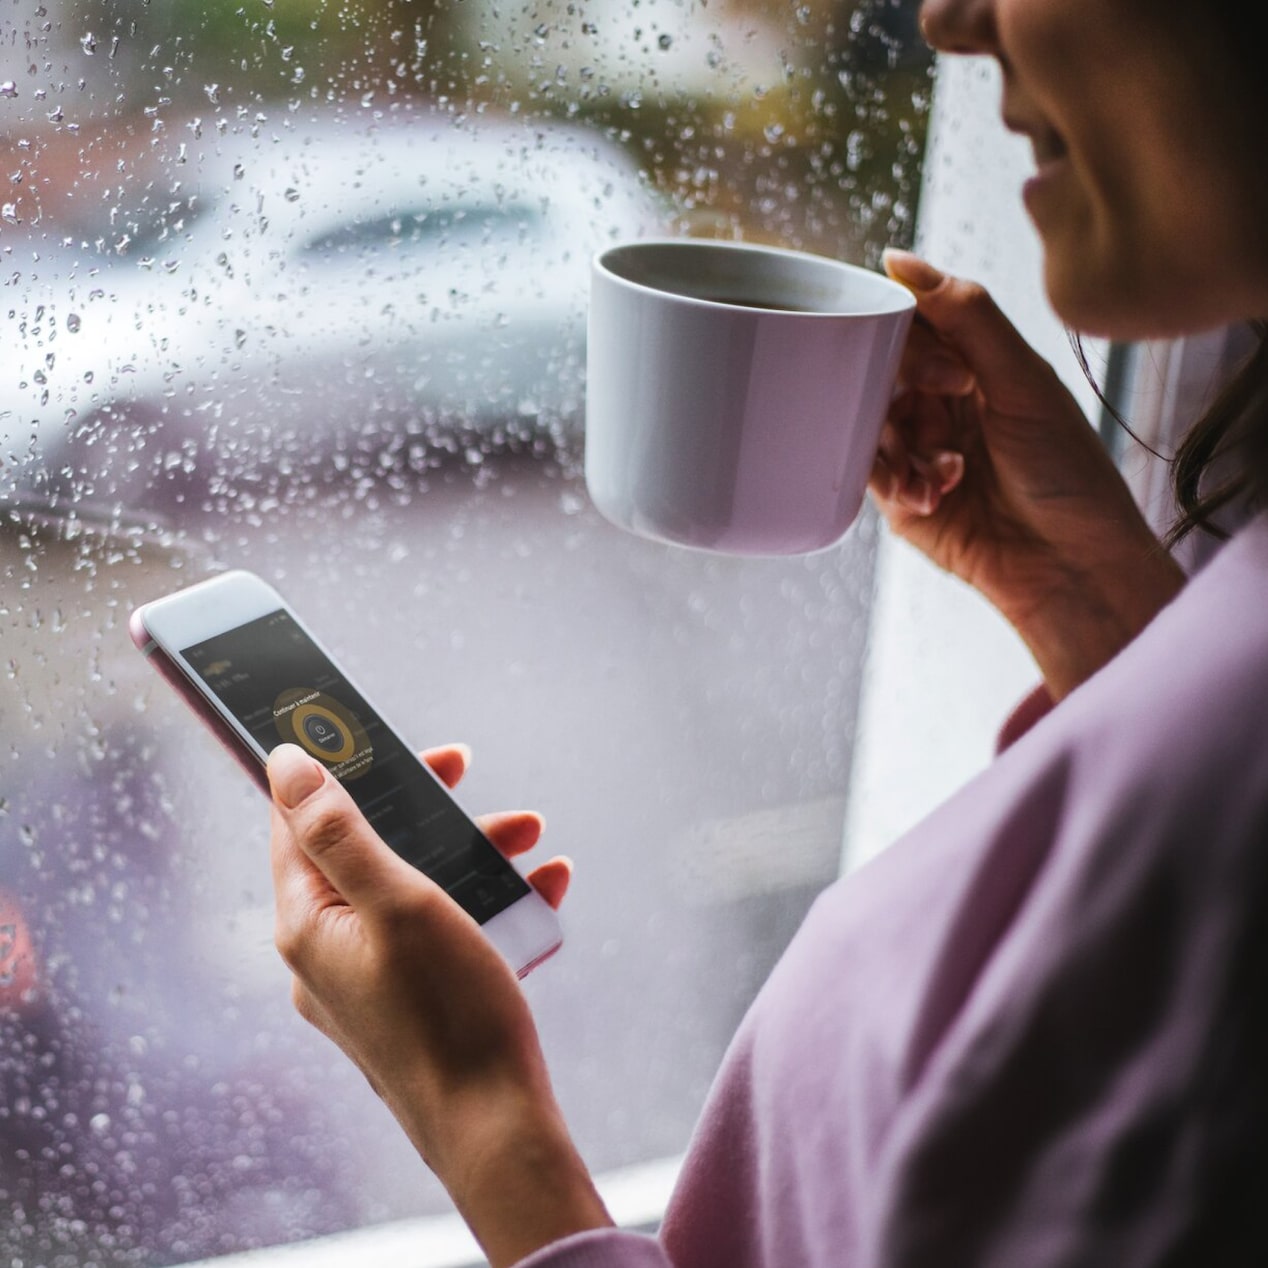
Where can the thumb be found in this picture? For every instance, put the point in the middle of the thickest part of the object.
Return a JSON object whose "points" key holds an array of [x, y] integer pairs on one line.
{"points": [[328, 828], [964, 315]]}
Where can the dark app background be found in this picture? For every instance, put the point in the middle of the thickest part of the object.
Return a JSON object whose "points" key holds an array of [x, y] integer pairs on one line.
{"points": [[280, 686]]}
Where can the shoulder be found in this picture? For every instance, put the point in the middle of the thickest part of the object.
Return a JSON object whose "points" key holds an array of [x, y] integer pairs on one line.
{"points": [[1101, 1078]]}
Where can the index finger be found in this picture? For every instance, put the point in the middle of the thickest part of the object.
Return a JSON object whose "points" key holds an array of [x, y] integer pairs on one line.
{"points": [[448, 763], [965, 315], [512, 831]]}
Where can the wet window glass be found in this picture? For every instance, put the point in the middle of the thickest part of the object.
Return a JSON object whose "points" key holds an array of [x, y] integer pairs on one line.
{"points": [[300, 287]]}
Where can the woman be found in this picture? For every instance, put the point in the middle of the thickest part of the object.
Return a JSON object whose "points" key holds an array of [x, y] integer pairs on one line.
{"points": [[1032, 1032]]}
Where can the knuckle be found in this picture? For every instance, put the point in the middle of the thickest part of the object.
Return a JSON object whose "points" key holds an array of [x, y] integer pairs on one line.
{"points": [[290, 943], [326, 828], [974, 296], [303, 1002]]}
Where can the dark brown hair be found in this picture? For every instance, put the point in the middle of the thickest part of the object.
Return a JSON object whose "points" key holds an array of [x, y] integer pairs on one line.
{"points": [[1232, 432], [1228, 444], [1223, 460]]}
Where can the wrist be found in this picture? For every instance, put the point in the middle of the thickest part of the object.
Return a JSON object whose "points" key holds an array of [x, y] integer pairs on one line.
{"points": [[527, 1188], [510, 1166], [1077, 625]]}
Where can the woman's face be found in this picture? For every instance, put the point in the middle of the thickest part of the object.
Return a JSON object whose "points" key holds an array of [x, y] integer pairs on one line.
{"points": [[1148, 193]]}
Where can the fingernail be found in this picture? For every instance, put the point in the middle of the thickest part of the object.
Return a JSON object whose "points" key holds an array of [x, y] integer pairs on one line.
{"points": [[913, 272], [293, 775]]}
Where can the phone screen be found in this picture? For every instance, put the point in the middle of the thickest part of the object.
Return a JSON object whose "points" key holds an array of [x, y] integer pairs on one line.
{"points": [[282, 688]]}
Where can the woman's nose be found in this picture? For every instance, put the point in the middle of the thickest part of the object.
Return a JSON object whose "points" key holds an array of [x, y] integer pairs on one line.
{"points": [[959, 26]]}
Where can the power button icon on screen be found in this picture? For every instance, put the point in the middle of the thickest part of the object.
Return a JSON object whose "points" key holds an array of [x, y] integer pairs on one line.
{"points": [[321, 732]]}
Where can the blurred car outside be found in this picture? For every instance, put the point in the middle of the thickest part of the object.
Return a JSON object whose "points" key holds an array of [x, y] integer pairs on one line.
{"points": [[278, 295]]}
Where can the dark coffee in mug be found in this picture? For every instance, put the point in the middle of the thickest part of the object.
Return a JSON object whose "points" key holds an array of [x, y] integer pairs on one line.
{"points": [[767, 304]]}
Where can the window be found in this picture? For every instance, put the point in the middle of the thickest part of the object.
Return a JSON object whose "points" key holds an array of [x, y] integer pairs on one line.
{"points": [[300, 288]]}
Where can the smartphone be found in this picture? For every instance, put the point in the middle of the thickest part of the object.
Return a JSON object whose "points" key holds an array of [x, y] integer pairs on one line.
{"points": [[246, 664]]}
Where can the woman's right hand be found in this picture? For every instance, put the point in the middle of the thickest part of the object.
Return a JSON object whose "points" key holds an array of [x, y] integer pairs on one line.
{"points": [[388, 966], [988, 465]]}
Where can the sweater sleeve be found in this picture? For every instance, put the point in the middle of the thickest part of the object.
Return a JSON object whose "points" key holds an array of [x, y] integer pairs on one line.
{"points": [[600, 1248]]}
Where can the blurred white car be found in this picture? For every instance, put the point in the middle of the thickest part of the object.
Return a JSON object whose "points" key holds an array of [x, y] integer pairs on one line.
{"points": [[382, 292]]}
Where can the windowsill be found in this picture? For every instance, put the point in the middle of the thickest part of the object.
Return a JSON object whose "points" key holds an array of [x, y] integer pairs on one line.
{"points": [[635, 1196]]}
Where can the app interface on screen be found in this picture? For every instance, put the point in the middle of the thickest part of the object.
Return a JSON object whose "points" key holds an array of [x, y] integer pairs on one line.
{"points": [[282, 688]]}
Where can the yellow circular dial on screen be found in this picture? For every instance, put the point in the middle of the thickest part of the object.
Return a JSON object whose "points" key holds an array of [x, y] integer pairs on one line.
{"points": [[322, 726]]}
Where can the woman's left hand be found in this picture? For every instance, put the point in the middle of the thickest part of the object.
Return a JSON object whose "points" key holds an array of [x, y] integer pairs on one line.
{"points": [[988, 465], [403, 980]]}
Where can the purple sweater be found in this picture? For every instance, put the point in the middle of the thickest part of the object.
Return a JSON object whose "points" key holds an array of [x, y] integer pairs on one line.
{"points": [[1033, 1031]]}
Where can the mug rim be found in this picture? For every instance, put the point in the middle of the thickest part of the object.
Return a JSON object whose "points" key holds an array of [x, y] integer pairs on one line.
{"points": [[903, 299]]}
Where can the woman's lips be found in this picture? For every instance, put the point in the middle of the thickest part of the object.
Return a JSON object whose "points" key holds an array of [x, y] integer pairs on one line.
{"points": [[1043, 185], [1046, 143], [1050, 153], [1047, 147]]}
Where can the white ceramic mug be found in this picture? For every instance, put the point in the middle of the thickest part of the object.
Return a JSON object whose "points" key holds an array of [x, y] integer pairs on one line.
{"points": [[735, 394]]}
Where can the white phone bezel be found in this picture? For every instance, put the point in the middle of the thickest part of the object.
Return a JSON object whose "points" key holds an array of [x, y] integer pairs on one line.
{"points": [[525, 933]]}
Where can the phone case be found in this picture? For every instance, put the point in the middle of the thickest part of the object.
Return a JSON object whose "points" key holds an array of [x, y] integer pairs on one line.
{"points": [[194, 698]]}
